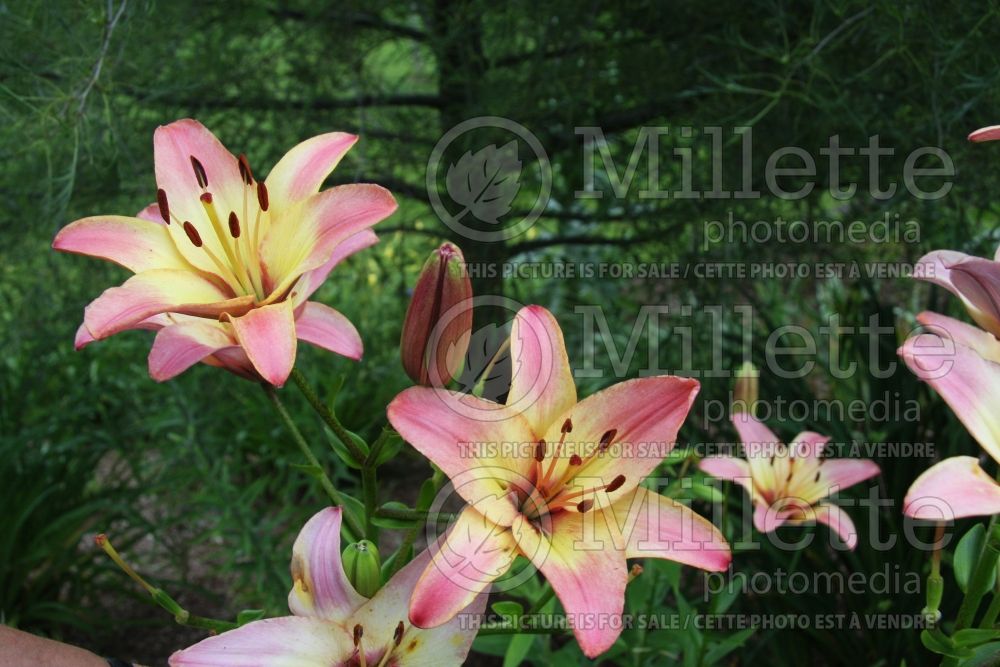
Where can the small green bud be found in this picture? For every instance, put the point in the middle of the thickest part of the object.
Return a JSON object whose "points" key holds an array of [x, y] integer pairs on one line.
{"points": [[746, 389], [935, 590], [363, 567]]}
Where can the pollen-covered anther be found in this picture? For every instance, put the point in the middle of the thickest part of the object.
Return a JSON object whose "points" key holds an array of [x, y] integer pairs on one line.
{"points": [[262, 199], [199, 172], [234, 225], [616, 483], [540, 451], [206, 197], [575, 460], [245, 172], [359, 632], [192, 234], [163, 205], [567, 425], [584, 505], [607, 439], [397, 636]]}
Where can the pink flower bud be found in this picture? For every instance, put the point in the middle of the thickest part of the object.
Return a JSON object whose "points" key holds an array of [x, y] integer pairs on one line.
{"points": [[439, 319]]}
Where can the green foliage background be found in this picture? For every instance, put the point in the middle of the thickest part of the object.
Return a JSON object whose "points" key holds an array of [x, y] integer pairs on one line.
{"points": [[194, 479]]}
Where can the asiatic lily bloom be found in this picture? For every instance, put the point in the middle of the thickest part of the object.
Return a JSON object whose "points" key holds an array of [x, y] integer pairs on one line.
{"points": [[332, 624], [556, 480], [961, 363], [225, 263], [788, 484]]}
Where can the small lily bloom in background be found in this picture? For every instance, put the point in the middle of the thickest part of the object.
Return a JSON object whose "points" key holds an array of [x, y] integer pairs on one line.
{"points": [[961, 363], [788, 483], [225, 263], [333, 624], [567, 496], [438, 320]]}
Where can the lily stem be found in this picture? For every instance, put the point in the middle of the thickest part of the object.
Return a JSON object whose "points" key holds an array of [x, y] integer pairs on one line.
{"points": [[542, 600], [413, 515], [328, 417], [369, 485], [411, 535], [990, 619], [352, 523]]}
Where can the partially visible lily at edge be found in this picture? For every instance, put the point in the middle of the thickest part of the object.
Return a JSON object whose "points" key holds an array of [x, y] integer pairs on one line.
{"points": [[961, 363], [332, 624], [225, 263], [555, 480], [789, 484]]}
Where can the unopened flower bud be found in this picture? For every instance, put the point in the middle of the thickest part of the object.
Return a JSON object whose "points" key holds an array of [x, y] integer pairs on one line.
{"points": [[438, 321], [363, 567], [746, 388]]}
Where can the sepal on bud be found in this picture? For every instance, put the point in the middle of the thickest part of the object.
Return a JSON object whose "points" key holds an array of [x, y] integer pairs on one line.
{"points": [[438, 321], [363, 567]]}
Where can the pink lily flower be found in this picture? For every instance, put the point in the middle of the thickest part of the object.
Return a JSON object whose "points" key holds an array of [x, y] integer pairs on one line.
{"points": [[961, 363], [332, 624], [554, 480], [224, 263], [789, 483]]}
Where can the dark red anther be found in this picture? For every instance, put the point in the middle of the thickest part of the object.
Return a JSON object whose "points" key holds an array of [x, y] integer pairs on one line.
{"points": [[234, 225], [575, 460], [608, 438], [540, 451], [817, 476], [359, 632], [245, 171], [206, 197], [397, 636], [262, 196], [584, 505], [567, 425], [192, 234], [616, 483], [199, 172], [161, 202]]}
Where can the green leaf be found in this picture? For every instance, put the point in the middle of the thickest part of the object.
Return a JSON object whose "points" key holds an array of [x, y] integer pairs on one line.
{"points": [[508, 608], [706, 492], [307, 468], [937, 642], [727, 646], [974, 636], [518, 649], [966, 554], [341, 450], [390, 448], [249, 616], [984, 656], [427, 492]]}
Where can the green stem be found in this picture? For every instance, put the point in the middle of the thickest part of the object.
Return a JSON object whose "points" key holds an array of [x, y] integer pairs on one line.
{"points": [[413, 515], [328, 417], [411, 535], [370, 496], [206, 623], [542, 600], [990, 619], [352, 524]]}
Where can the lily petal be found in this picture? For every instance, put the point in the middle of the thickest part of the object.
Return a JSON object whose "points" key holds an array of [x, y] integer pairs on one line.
{"points": [[82, 338], [179, 346], [542, 386], [972, 279], [320, 588], [138, 245], [986, 133], [151, 213], [641, 419], [267, 334], [952, 489], [730, 468], [274, 642], [326, 328], [311, 280], [446, 644], [306, 236], [839, 522], [841, 473], [464, 564], [158, 291], [657, 527], [983, 343], [465, 436], [809, 445], [301, 172], [767, 518], [587, 573], [966, 381]]}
